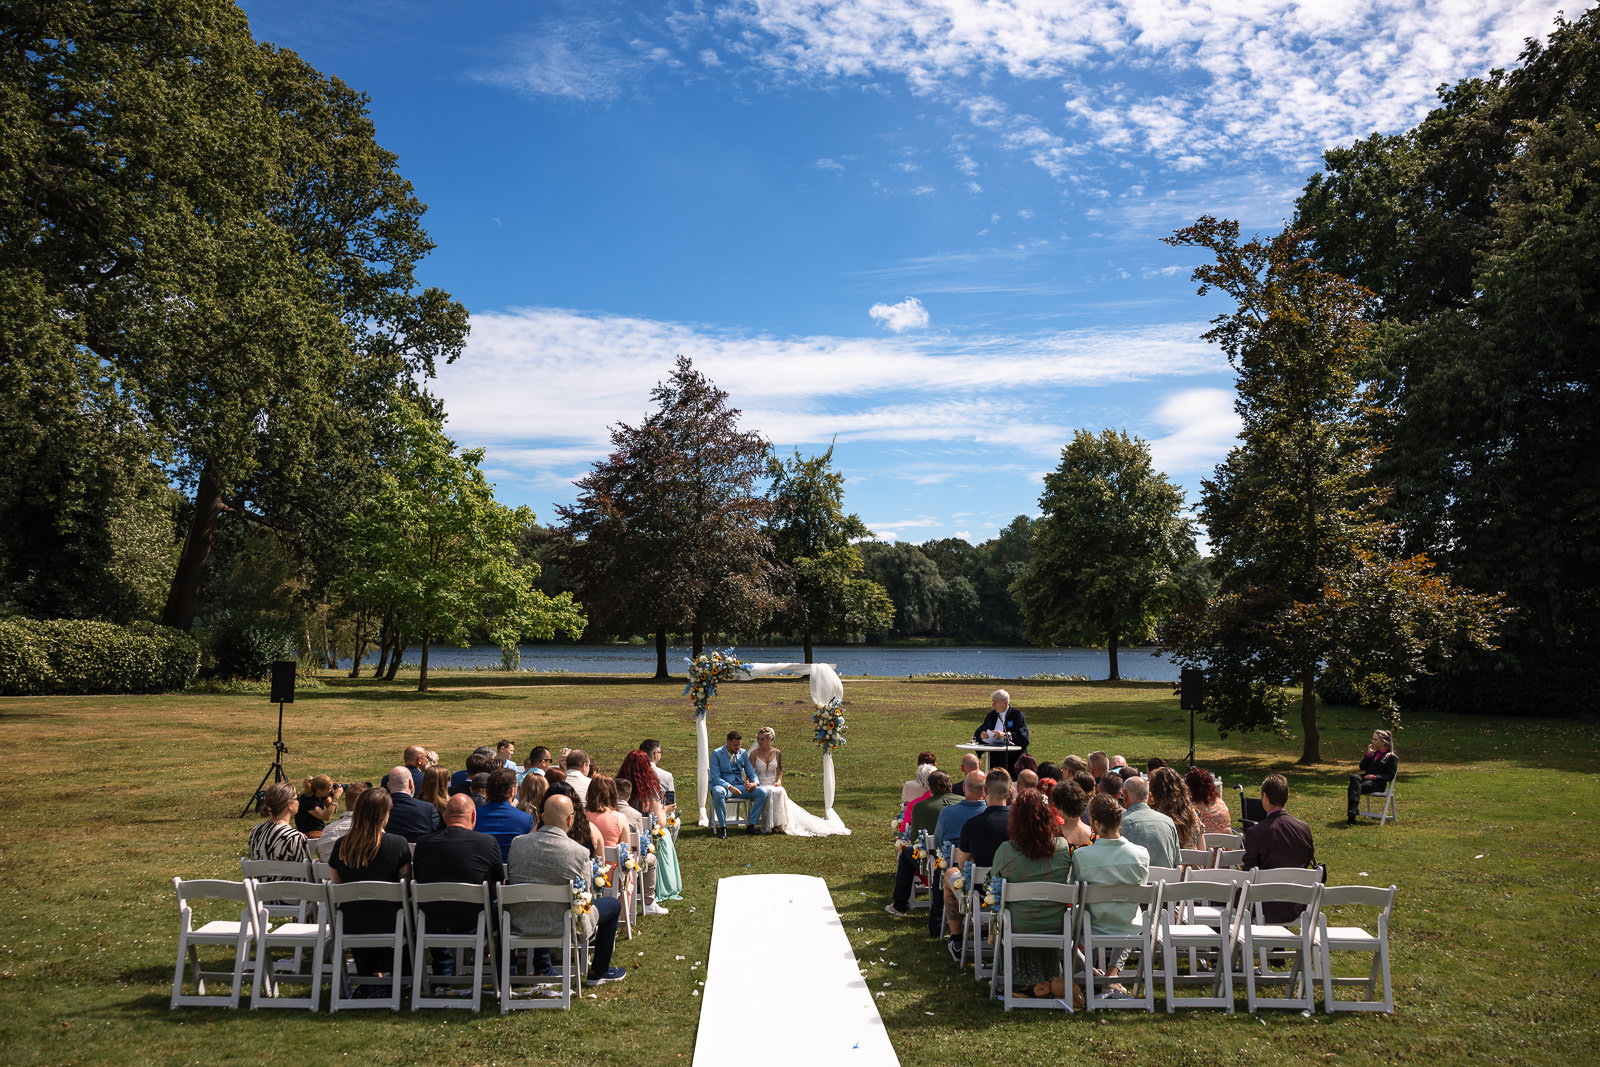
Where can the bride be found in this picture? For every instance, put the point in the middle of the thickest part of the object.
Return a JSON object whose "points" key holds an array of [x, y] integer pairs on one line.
{"points": [[783, 815]]}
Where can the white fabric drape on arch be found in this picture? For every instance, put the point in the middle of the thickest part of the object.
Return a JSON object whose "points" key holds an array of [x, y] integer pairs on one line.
{"points": [[825, 687]]}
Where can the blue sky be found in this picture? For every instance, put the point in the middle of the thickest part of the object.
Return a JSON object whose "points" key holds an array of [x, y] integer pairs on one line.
{"points": [[927, 230]]}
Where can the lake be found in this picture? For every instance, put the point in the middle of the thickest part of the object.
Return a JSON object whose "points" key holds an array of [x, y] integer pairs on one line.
{"points": [[870, 660]]}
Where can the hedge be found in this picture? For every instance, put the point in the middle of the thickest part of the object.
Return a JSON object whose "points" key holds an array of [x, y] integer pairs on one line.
{"points": [[45, 656]]}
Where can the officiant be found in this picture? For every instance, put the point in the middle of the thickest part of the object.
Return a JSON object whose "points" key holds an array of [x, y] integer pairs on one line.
{"points": [[1004, 725]]}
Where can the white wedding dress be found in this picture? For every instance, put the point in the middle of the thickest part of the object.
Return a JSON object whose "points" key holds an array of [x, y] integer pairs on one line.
{"points": [[783, 815]]}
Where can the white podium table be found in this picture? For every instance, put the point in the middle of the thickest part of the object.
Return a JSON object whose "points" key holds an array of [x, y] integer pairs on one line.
{"points": [[971, 746]]}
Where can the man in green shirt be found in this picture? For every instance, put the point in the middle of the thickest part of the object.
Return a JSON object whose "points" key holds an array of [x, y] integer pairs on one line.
{"points": [[924, 817]]}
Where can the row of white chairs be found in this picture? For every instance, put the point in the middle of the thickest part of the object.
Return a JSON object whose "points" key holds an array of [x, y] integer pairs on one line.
{"points": [[313, 930], [1214, 917]]}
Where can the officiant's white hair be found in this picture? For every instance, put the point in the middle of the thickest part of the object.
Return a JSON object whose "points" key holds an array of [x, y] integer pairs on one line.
{"points": [[1000, 694]]}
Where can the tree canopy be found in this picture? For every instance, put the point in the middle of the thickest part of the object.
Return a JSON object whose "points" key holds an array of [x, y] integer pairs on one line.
{"points": [[1112, 553]]}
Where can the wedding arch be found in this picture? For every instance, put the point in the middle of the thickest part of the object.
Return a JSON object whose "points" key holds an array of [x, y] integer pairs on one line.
{"points": [[710, 669]]}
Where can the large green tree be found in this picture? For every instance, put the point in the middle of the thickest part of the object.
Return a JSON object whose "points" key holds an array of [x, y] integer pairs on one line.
{"points": [[438, 553], [205, 227], [668, 533], [912, 582], [1308, 582], [814, 537], [1112, 553], [1478, 233]]}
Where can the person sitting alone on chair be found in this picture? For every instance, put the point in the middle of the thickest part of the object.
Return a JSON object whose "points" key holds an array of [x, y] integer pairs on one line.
{"points": [[1378, 768], [731, 776]]}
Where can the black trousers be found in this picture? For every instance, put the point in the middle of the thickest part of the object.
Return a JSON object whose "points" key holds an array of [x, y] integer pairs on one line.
{"points": [[905, 874], [1360, 785]]}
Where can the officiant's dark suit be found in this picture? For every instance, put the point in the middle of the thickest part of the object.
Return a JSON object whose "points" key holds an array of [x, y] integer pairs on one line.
{"points": [[1002, 716]]}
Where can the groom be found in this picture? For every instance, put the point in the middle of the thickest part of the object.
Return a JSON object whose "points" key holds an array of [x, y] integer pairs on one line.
{"points": [[731, 776]]}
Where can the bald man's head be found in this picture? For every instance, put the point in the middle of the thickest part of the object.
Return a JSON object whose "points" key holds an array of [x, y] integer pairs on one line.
{"points": [[974, 785], [557, 811], [461, 811], [400, 780], [415, 754]]}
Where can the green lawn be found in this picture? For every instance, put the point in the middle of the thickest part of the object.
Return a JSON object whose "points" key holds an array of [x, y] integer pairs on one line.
{"points": [[107, 798]]}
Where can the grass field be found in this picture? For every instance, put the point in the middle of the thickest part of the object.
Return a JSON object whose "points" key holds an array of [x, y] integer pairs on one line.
{"points": [[107, 798]]}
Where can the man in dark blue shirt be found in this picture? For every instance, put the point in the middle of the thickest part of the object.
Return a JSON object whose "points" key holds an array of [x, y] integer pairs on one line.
{"points": [[499, 818], [410, 818]]}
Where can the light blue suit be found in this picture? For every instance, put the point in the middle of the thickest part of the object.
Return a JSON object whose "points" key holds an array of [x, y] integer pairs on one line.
{"points": [[733, 772]]}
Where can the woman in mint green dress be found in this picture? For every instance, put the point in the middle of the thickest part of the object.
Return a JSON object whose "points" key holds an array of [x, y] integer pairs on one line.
{"points": [[637, 768]]}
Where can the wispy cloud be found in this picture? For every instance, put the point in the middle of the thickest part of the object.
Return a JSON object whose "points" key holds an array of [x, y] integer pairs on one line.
{"points": [[577, 59], [909, 314], [1201, 427]]}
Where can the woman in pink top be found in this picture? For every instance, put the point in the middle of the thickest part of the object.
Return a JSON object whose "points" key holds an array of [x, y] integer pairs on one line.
{"points": [[1208, 803], [601, 807]]}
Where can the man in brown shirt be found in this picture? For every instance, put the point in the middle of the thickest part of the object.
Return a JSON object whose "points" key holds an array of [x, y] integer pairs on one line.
{"points": [[1278, 840]]}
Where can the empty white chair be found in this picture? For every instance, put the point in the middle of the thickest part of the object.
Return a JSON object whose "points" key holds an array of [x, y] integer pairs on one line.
{"points": [[475, 943], [1204, 913], [1229, 857], [321, 871], [259, 871], [345, 985], [922, 891], [1163, 874], [1329, 937], [565, 951], [1200, 858], [1285, 876], [308, 940], [1147, 898], [238, 935], [1207, 942], [1008, 939], [1215, 841], [621, 887], [1258, 946], [1384, 803], [975, 922]]}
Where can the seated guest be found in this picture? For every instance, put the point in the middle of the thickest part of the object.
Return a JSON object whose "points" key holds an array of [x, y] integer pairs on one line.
{"points": [[555, 775], [1026, 762], [410, 818], [601, 808], [577, 763], [368, 854], [1145, 826], [1110, 785], [530, 794], [924, 772], [538, 761], [340, 826], [1170, 797], [1378, 767], [1118, 762], [1152, 763], [1208, 803], [1033, 853], [549, 857], [1111, 861], [648, 797], [924, 818], [651, 862], [1126, 772], [275, 837], [478, 788], [948, 831], [1071, 765], [1086, 782], [1099, 764], [669, 796], [456, 853], [505, 754], [983, 833], [1049, 770], [917, 788], [478, 762], [498, 817], [433, 760], [580, 830], [1026, 779], [415, 760], [1069, 801], [319, 802], [969, 763], [435, 788], [1278, 840]]}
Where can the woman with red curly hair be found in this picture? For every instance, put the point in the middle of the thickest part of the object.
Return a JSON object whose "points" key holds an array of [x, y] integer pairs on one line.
{"points": [[647, 799], [1033, 854]]}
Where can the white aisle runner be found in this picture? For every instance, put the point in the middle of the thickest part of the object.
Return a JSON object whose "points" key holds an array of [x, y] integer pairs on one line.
{"points": [[780, 961]]}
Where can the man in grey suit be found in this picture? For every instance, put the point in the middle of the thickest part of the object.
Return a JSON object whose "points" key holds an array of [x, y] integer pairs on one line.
{"points": [[1144, 825], [731, 776], [549, 857]]}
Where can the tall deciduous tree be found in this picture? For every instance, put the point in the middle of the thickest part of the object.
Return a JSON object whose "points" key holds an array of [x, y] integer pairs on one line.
{"points": [[813, 537], [668, 532], [437, 550], [1308, 582], [1112, 553], [913, 582]]}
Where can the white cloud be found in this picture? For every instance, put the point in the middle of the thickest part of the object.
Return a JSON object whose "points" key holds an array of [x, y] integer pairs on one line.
{"points": [[1201, 425], [924, 190], [828, 164], [709, 57], [572, 60], [909, 314]]}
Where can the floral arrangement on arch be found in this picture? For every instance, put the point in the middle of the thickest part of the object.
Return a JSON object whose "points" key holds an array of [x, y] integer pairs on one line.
{"points": [[705, 671], [830, 726]]}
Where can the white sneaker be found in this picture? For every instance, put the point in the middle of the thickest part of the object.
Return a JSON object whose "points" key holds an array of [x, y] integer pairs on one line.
{"points": [[654, 909]]}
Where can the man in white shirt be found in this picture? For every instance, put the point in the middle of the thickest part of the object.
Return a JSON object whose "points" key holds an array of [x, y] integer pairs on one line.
{"points": [[578, 773], [669, 799]]}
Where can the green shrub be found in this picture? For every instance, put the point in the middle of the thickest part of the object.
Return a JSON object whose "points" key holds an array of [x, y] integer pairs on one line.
{"points": [[243, 646], [79, 656]]}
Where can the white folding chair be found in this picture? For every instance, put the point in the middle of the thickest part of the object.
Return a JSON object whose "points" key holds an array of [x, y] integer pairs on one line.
{"points": [[1196, 858], [1230, 840], [1285, 876], [477, 943], [565, 949], [1007, 939], [1147, 899], [975, 922], [238, 935], [1229, 858], [1204, 913], [345, 984], [1328, 939], [1386, 810], [306, 939], [321, 871], [1163, 874], [1204, 942], [259, 871], [1257, 946], [621, 887], [922, 894]]}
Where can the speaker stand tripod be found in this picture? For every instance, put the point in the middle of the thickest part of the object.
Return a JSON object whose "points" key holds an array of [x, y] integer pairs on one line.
{"points": [[275, 773]]}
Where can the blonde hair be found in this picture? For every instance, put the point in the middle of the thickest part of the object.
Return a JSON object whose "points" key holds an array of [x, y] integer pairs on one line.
{"points": [[767, 732], [317, 785], [1388, 740]]}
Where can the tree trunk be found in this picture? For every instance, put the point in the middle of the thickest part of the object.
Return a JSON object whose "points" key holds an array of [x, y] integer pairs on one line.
{"points": [[422, 680], [396, 651], [661, 652], [305, 638], [1111, 647], [697, 640], [1312, 750], [360, 646], [808, 646], [183, 597], [330, 658], [383, 648]]}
